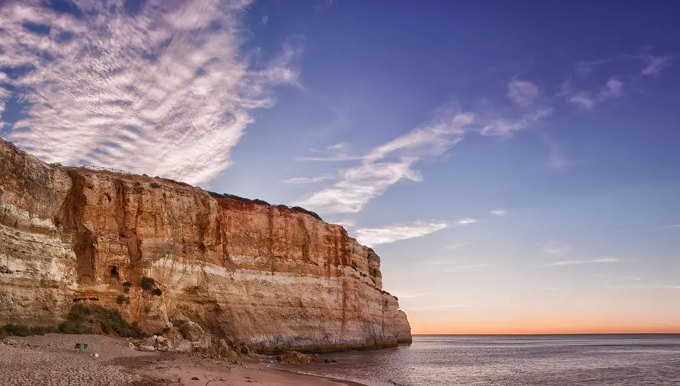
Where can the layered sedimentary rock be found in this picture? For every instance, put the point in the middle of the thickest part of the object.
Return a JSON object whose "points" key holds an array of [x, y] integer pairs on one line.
{"points": [[273, 277]]}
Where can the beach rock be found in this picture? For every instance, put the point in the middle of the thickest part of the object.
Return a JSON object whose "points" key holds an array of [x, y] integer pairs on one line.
{"points": [[243, 348], [164, 345], [225, 350], [11, 342], [131, 346], [239, 268], [146, 348], [182, 345], [192, 331], [297, 358]]}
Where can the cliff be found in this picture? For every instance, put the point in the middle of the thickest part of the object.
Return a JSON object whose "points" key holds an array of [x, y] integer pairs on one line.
{"points": [[270, 276]]}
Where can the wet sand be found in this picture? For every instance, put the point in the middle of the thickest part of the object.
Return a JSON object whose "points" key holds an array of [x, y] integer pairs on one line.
{"points": [[52, 360], [195, 371]]}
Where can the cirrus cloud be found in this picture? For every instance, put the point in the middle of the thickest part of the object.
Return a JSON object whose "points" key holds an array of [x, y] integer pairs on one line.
{"points": [[392, 233], [389, 234], [522, 92], [161, 88]]}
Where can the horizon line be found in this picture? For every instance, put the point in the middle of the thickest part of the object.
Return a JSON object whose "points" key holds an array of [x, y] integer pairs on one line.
{"points": [[549, 334]]}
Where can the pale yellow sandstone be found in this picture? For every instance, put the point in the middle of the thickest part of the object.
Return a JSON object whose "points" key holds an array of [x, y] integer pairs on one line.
{"points": [[272, 277]]}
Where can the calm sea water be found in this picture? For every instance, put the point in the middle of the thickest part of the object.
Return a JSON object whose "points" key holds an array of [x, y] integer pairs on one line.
{"points": [[514, 360]]}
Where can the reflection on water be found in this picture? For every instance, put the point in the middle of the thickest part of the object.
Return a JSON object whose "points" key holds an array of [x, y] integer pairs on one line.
{"points": [[514, 361]]}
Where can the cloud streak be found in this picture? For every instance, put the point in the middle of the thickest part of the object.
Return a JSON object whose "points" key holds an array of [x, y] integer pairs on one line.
{"points": [[581, 262], [655, 64], [498, 212], [393, 161], [308, 180], [522, 92], [457, 245], [555, 248], [613, 88], [163, 89], [433, 308], [390, 234], [463, 267], [647, 286], [358, 185]]}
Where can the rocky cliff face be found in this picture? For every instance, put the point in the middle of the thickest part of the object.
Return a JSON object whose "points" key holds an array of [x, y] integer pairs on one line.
{"points": [[270, 276]]}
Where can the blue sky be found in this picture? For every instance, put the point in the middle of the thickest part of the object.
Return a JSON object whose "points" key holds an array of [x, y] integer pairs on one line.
{"points": [[514, 163]]}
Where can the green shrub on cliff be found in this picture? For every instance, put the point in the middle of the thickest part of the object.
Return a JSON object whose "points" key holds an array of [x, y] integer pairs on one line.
{"points": [[147, 283], [21, 330]]}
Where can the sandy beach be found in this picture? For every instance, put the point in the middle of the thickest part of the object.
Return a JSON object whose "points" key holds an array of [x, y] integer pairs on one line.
{"points": [[53, 360]]}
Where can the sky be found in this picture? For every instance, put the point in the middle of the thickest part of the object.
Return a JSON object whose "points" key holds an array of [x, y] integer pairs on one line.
{"points": [[515, 164]]}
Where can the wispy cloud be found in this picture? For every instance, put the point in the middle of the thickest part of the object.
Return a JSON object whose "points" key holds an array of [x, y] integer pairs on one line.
{"points": [[393, 161], [651, 64], [457, 245], [333, 153], [358, 185], [324, 6], [555, 247], [408, 295], [505, 127], [655, 64], [556, 160], [433, 308], [613, 88], [308, 180], [498, 212], [347, 223], [584, 68], [581, 262], [633, 278], [465, 221], [644, 229], [390, 234], [627, 65], [522, 92], [644, 286], [163, 88], [463, 267]]}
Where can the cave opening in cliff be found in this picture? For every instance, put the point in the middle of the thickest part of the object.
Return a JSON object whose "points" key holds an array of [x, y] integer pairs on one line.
{"points": [[113, 273]]}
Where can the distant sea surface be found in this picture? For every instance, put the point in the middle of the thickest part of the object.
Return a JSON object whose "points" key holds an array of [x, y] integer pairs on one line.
{"points": [[513, 361]]}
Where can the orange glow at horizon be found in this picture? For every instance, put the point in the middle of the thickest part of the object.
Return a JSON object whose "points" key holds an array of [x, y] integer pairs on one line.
{"points": [[434, 327]]}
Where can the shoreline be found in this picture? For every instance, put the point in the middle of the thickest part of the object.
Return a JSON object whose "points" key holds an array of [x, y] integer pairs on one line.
{"points": [[335, 380], [109, 361], [188, 370]]}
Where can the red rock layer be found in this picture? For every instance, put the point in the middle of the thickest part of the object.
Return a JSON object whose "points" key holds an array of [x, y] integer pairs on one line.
{"points": [[271, 276]]}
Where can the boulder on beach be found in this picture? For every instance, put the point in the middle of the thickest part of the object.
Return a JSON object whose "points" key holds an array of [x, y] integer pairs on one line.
{"points": [[298, 358], [192, 331], [182, 345]]}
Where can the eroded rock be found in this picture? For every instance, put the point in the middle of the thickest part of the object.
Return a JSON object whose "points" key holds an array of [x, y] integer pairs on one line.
{"points": [[297, 358], [182, 345], [241, 269]]}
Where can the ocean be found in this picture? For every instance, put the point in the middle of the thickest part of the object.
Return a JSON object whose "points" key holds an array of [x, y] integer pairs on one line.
{"points": [[513, 361]]}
